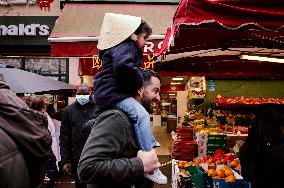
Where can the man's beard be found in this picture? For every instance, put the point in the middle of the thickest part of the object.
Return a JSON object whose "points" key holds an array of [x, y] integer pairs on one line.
{"points": [[147, 103]]}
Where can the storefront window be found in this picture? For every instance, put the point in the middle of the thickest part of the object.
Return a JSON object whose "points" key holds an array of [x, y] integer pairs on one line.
{"points": [[17, 63], [49, 67]]}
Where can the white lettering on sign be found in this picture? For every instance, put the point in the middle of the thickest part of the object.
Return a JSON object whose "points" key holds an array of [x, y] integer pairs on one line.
{"points": [[149, 47], [24, 30]]}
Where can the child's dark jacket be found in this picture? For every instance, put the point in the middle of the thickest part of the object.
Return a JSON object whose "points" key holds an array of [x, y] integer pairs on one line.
{"points": [[120, 77]]}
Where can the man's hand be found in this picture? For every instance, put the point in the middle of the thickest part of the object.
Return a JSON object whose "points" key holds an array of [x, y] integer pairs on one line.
{"points": [[149, 159], [46, 180], [67, 169]]}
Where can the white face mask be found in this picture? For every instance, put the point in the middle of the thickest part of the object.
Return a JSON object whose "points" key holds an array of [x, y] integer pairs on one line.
{"points": [[83, 99]]}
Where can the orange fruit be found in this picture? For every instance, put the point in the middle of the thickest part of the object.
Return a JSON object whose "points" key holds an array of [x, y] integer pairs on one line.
{"points": [[212, 164], [238, 167], [231, 178], [224, 161], [225, 167], [217, 177], [220, 173], [229, 172], [218, 162], [234, 163], [212, 172]]}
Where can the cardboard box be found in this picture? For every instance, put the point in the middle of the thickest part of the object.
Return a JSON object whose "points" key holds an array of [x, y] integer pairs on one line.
{"points": [[240, 183]]}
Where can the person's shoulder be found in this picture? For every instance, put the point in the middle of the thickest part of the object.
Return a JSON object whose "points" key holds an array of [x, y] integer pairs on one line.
{"points": [[114, 113], [125, 44], [112, 116], [9, 98], [73, 105]]}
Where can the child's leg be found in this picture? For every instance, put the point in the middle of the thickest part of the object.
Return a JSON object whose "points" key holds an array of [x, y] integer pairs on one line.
{"points": [[144, 135], [142, 124]]}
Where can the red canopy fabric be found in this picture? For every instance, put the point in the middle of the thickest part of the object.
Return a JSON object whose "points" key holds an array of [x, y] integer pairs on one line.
{"points": [[200, 25], [231, 13], [205, 24], [79, 49]]}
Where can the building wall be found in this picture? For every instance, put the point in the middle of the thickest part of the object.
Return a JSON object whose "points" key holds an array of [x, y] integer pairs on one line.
{"points": [[74, 79], [30, 10], [34, 10]]}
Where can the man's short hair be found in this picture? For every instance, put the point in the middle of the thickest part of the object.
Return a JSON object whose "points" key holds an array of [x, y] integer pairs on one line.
{"points": [[147, 74], [83, 89]]}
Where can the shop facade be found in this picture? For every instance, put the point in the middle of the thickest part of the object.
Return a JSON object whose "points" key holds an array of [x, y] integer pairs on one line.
{"points": [[24, 45], [222, 45], [77, 39]]}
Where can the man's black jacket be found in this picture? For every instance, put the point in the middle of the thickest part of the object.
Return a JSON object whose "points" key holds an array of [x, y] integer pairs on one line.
{"points": [[72, 134], [109, 158]]}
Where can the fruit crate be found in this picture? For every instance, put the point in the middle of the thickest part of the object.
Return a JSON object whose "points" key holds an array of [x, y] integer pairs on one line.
{"points": [[221, 183], [240, 183]]}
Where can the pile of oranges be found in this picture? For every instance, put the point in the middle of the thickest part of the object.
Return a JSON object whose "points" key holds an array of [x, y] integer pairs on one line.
{"points": [[223, 173], [236, 164]]}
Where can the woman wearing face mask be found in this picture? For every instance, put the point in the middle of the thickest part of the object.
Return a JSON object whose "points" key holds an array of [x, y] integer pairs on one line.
{"points": [[73, 135]]}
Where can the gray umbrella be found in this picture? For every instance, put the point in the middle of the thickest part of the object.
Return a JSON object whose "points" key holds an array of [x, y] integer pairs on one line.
{"points": [[21, 81]]}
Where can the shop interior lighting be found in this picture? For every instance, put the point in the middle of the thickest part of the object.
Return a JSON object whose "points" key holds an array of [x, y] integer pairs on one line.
{"points": [[172, 94], [166, 104], [175, 83], [177, 79], [259, 58]]}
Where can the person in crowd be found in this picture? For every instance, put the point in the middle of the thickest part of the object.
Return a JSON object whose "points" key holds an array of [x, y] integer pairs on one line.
{"points": [[262, 155], [72, 133], [55, 115], [121, 43], [111, 156], [40, 103], [57, 123], [25, 142]]}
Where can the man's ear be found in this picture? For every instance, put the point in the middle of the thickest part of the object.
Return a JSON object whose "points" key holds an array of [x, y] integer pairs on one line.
{"points": [[140, 91]]}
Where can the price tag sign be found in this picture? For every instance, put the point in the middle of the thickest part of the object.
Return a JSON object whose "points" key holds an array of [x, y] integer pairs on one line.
{"points": [[212, 85]]}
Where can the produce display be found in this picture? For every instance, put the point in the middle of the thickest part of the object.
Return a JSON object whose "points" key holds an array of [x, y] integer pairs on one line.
{"points": [[196, 93], [203, 140], [220, 170], [241, 119], [209, 140], [184, 147], [241, 100]]}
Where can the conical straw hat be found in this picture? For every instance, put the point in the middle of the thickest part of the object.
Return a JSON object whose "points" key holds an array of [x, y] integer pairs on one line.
{"points": [[116, 28]]}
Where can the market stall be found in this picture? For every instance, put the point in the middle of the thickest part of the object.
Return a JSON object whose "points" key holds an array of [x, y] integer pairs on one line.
{"points": [[220, 40], [215, 38]]}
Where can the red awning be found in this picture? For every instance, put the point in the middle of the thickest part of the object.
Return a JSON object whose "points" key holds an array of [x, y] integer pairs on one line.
{"points": [[77, 29], [207, 38], [231, 14], [66, 49], [207, 24]]}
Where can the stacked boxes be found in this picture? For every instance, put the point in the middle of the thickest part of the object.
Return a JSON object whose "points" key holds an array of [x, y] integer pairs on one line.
{"points": [[184, 148], [208, 144]]}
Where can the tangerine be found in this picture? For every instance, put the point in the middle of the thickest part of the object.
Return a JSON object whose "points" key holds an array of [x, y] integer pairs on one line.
{"points": [[234, 163], [230, 178], [220, 173], [229, 172]]}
